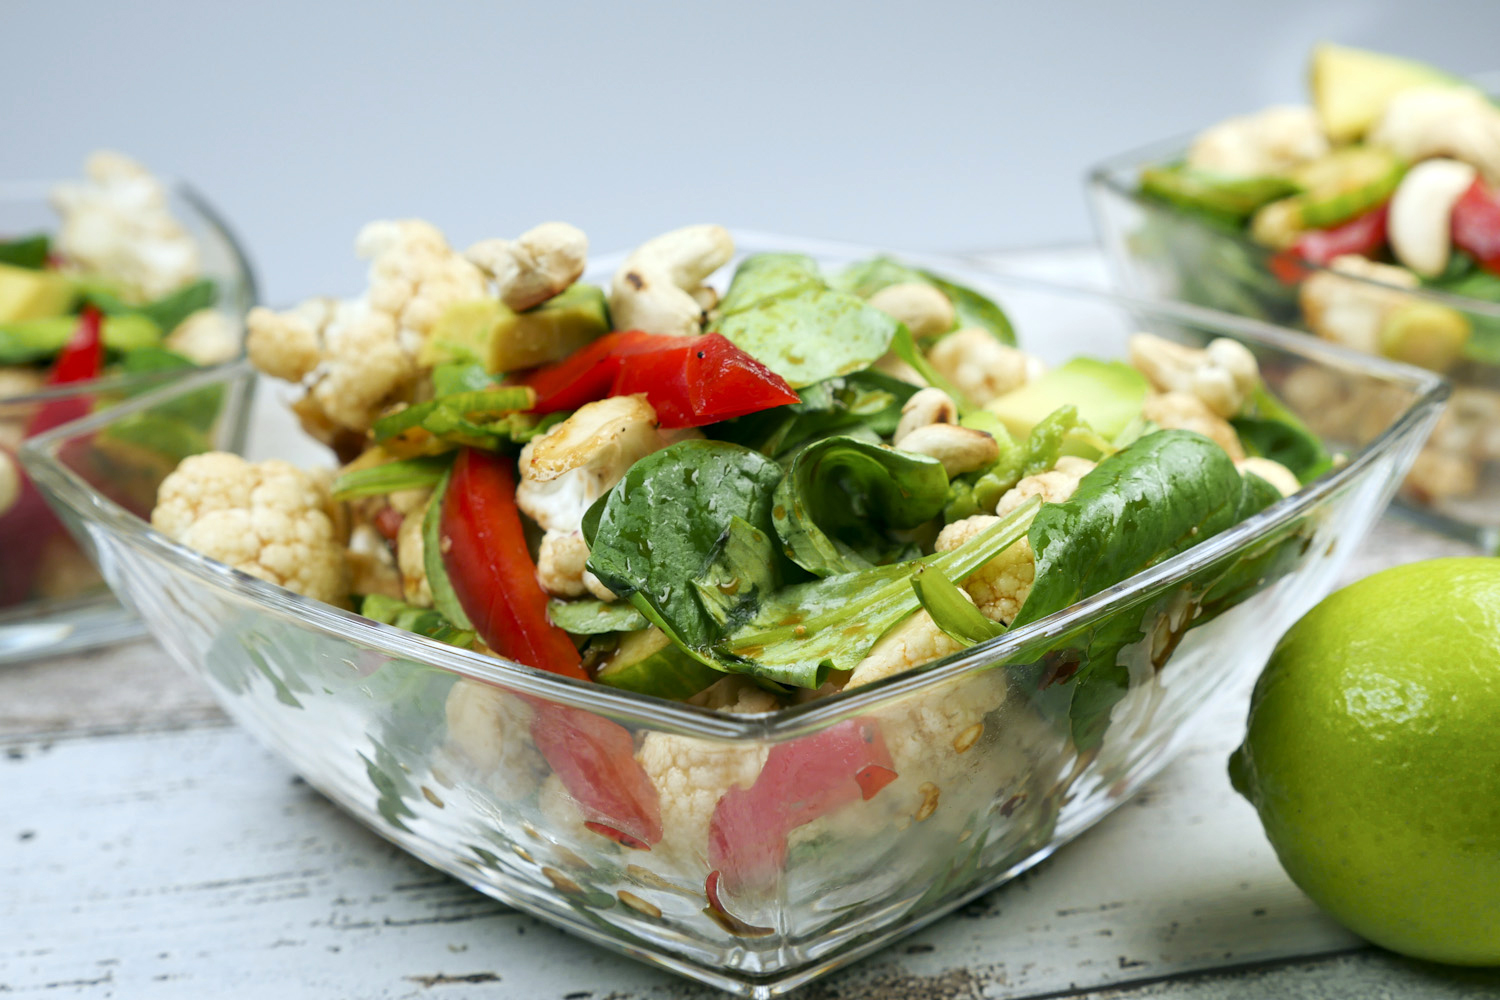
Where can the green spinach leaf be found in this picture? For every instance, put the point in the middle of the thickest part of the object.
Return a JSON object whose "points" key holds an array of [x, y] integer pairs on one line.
{"points": [[166, 312], [951, 610], [869, 399], [29, 252], [971, 308], [657, 530], [839, 497], [1269, 429]]}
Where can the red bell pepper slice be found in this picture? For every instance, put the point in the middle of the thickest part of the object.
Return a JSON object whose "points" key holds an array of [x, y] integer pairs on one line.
{"points": [[595, 760], [494, 578], [689, 381], [802, 780], [490, 567], [29, 526], [1475, 225], [1363, 235]]}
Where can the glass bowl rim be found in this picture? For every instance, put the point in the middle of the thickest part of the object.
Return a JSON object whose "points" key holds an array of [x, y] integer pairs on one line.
{"points": [[1109, 174], [210, 216], [1429, 392]]}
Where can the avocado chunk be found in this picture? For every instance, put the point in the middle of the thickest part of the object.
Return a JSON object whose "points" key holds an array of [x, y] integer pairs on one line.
{"points": [[1346, 183], [27, 294], [1107, 394], [34, 340], [1351, 87], [489, 332], [1235, 198], [647, 662]]}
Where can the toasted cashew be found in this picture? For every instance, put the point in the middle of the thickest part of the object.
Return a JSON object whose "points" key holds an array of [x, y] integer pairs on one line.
{"points": [[1222, 374], [1458, 122], [960, 449], [655, 289], [535, 266], [1272, 141], [928, 406], [1420, 210], [925, 310], [1274, 473]]}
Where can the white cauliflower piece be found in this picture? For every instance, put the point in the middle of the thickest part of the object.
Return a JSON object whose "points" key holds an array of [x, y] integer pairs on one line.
{"points": [[361, 353], [207, 337], [1222, 374], [372, 565], [1002, 584], [692, 774], [411, 558], [561, 563], [1185, 412], [117, 223], [1457, 122], [575, 463], [980, 366], [1273, 141], [489, 740], [268, 519], [1351, 312]]}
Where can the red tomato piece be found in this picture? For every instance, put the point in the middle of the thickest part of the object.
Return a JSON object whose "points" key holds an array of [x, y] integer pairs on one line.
{"points": [[594, 758], [490, 567], [802, 780], [1476, 225], [1363, 235], [80, 360]]}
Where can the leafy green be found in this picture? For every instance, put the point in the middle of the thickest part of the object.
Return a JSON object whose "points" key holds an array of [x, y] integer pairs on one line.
{"points": [[1161, 495], [951, 610], [594, 617], [167, 312], [427, 622], [378, 480], [28, 341], [869, 399], [801, 632], [841, 494], [444, 598], [198, 409], [1269, 429], [780, 311], [657, 530], [1040, 452], [460, 418], [971, 308], [29, 252], [740, 573]]}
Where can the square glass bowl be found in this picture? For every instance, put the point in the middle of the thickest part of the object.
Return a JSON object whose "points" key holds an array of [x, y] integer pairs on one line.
{"points": [[438, 749], [1162, 252], [52, 599]]}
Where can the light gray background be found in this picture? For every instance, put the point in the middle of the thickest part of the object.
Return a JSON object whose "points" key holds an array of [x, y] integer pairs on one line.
{"points": [[927, 125]]}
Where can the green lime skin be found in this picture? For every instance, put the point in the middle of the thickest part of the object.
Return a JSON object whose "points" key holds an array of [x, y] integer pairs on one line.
{"points": [[1373, 758]]}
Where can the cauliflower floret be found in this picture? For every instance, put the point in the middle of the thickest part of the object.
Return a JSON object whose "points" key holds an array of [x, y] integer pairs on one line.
{"points": [[268, 519], [1351, 313], [207, 337], [1222, 375], [1424, 122], [692, 774], [372, 566], [1186, 412], [361, 353], [1272, 141], [980, 365], [489, 739], [410, 558], [1002, 584], [117, 223], [561, 563]]}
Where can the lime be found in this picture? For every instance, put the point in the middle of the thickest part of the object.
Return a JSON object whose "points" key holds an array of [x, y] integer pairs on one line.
{"points": [[1373, 758]]}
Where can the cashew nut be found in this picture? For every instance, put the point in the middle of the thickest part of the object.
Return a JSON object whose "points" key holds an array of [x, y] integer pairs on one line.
{"points": [[925, 310], [1272, 141], [928, 406], [537, 265], [1221, 375], [1458, 122], [1420, 209], [980, 366], [960, 449], [1184, 411], [1274, 473], [655, 289]]}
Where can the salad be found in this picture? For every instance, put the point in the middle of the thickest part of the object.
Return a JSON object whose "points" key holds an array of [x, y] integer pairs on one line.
{"points": [[117, 290], [741, 496], [1388, 184]]}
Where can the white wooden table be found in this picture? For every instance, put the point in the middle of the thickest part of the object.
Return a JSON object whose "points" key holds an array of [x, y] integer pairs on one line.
{"points": [[150, 849]]}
